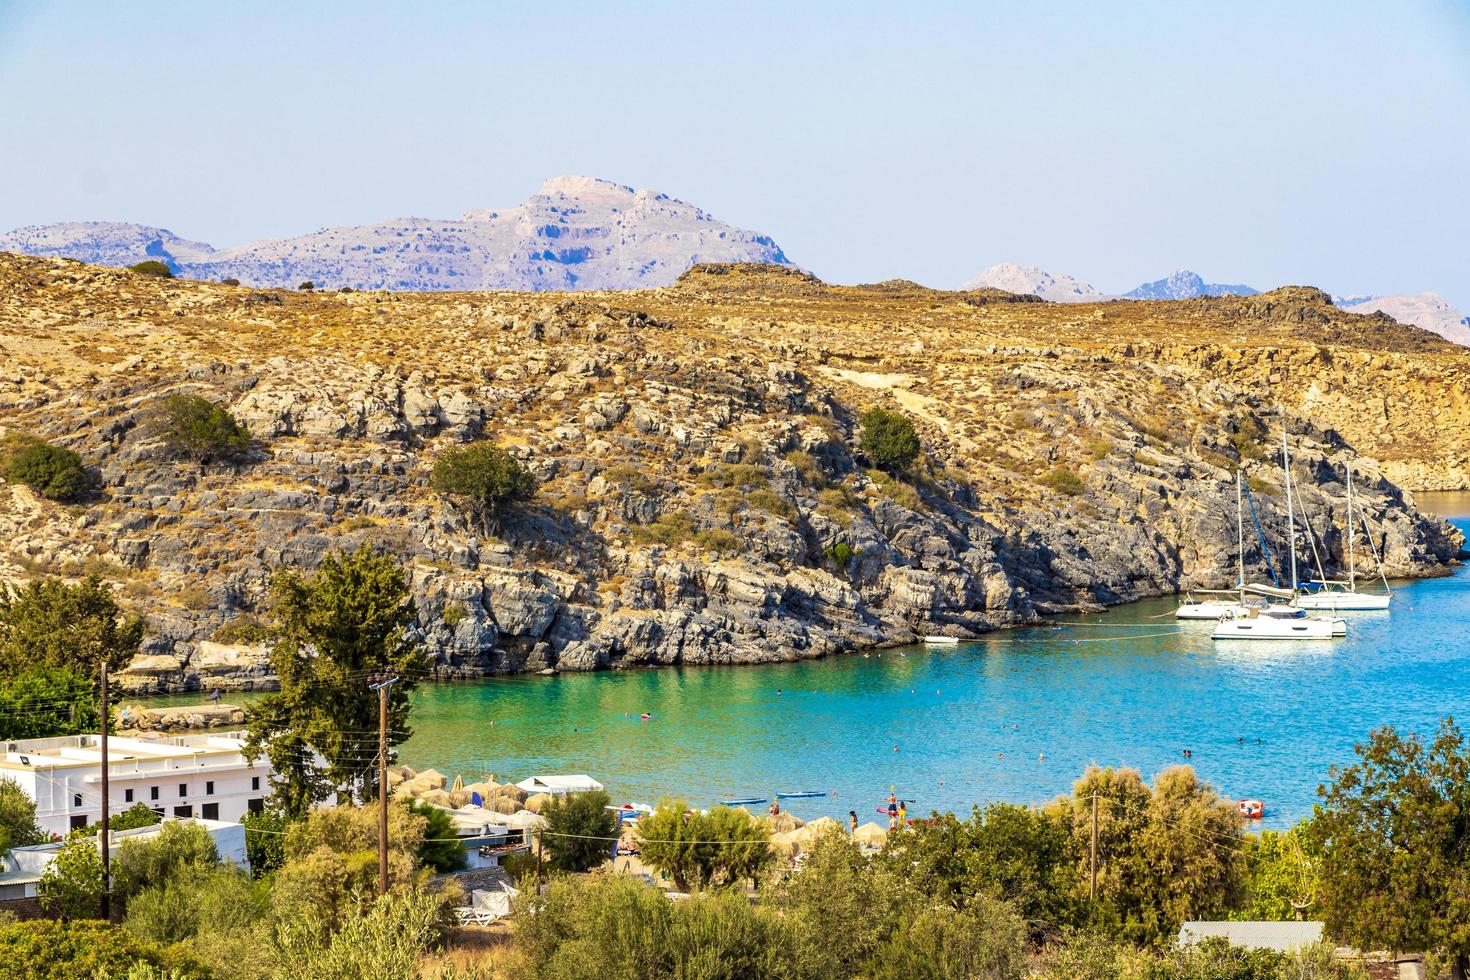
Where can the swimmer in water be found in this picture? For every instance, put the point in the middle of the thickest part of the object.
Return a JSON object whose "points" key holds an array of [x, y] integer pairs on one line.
{"points": [[1042, 757], [895, 746], [778, 692]]}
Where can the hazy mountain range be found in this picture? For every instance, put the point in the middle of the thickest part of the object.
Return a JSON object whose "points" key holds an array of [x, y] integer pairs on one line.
{"points": [[574, 233]]}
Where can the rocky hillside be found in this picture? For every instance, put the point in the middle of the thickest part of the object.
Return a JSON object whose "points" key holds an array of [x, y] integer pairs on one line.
{"points": [[702, 498], [1430, 311], [575, 233]]}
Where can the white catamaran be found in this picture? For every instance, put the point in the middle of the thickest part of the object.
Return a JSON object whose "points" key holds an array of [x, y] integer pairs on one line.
{"points": [[1259, 621], [1337, 595]]}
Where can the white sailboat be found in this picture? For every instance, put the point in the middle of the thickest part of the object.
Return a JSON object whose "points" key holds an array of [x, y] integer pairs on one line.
{"points": [[1342, 596], [1220, 602], [1276, 622]]}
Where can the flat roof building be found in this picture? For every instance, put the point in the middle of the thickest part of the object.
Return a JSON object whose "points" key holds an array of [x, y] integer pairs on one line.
{"points": [[180, 776]]}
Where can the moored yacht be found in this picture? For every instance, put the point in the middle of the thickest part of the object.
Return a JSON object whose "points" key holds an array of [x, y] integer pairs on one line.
{"points": [[1342, 596], [1277, 623]]}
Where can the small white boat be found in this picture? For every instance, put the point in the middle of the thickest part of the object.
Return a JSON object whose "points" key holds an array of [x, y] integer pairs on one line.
{"points": [[1334, 601], [1278, 623], [1192, 608], [948, 641]]}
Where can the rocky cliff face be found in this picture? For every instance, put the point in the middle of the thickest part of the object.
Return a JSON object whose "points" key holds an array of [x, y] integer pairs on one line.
{"points": [[575, 233], [702, 498], [1429, 311]]}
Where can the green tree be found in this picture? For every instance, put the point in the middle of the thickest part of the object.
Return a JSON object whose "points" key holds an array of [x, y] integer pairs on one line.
{"points": [[153, 267], [385, 939], [1394, 829], [72, 884], [333, 632], [137, 815], [1281, 874], [441, 849], [580, 831], [196, 427], [179, 850], [703, 850], [482, 478], [985, 939], [51, 471], [41, 702], [50, 623], [1165, 854], [18, 826], [265, 841], [888, 438]]}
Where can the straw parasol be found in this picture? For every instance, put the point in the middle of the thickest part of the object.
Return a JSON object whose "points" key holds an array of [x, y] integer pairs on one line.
{"points": [[783, 822], [538, 802], [506, 806], [437, 797], [458, 784], [788, 843], [870, 834], [821, 825], [435, 778]]}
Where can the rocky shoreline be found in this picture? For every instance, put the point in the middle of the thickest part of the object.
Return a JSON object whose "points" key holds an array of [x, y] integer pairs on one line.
{"points": [[702, 495]]}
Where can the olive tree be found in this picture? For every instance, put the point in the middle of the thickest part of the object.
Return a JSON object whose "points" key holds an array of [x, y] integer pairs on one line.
{"points": [[889, 439], [482, 478]]}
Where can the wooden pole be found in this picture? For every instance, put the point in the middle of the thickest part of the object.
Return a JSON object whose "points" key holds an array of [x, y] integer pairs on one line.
{"points": [[1092, 877], [381, 684], [105, 838]]}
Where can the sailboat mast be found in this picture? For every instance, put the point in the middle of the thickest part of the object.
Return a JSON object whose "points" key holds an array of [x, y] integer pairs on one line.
{"points": [[1352, 569], [1240, 536], [1290, 513]]}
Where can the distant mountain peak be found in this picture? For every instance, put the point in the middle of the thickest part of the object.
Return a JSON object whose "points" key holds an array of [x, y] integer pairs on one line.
{"points": [[1429, 311], [1016, 278], [575, 233], [1185, 284]]}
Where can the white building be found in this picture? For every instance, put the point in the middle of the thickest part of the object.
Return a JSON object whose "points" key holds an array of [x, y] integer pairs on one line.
{"points": [[175, 776], [25, 866]]}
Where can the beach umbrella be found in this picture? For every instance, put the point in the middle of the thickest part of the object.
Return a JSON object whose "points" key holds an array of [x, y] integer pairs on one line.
{"points": [[523, 820], [870, 834], [506, 806], [437, 797], [510, 791], [788, 843], [458, 783], [458, 798], [434, 777], [821, 825], [537, 803]]}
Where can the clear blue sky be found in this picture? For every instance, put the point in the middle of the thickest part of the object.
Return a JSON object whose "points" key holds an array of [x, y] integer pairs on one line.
{"points": [[1259, 142]]}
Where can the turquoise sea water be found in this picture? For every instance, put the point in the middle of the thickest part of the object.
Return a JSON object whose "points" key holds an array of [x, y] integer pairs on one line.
{"points": [[1014, 717]]}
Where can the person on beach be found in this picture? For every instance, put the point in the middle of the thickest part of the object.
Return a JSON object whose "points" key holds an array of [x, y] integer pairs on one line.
{"points": [[903, 813], [775, 807], [852, 821]]}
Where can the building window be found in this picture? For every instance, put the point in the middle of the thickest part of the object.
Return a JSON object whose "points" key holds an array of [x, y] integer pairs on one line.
{"points": [[209, 788], [183, 811], [254, 782], [255, 805], [183, 789], [127, 796], [153, 792], [76, 799], [209, 811], [77, 822]]}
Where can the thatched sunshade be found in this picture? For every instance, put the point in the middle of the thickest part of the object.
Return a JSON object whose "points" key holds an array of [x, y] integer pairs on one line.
{"points": [[538, 802], [870, 834]]}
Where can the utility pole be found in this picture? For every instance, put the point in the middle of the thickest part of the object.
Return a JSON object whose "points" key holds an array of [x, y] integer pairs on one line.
{"points": [[105, 839], [381, 683], [1092, 877]]}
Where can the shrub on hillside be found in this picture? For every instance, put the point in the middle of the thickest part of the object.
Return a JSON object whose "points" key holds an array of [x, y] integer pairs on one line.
{"points": [[50, 471], [1063, 481], [47, 950], [705, 849], [180, 849], [888, 438], [72, 885], [153, 267], [440, 849], [194, 426], [483, 478]]}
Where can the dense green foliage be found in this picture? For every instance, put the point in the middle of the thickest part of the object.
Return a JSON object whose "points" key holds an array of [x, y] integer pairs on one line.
{"points": [[40, 702], [386, 940], [888, 438], [440, 849], [51, 471], [1281, 878], [72, 884], [333, 631], [17, 819], [1086, 956], [703, 850], [47, 950], [153, 267], [1394, 832], [265, 841], [135, 816], [193, 426], [579, 831], [483, 478], [50, 623], [179, 850]]}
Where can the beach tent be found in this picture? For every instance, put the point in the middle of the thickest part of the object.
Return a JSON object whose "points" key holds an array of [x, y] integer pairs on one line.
{"points": [[870, 834]]}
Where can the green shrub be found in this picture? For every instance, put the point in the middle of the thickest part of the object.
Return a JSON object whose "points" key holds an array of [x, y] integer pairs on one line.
{"points": [[72, 885], [1063, 481], [135, 816], [50, 471], [840, 554], [18, 826], [385, 939], [1098, 446], [668, 529], [704, 849], [771, 503], [888, 438], [179, 849], [265, 841], [47, 950], [627, 475], [153, 267], [1248, 439], [196, 427], [808, 467], [896, 490], [482, 477], [242, 629], [307, 286], [739, 476], [453, 614], [717, 540], [579, 831], [45, 701], [49, 622]]}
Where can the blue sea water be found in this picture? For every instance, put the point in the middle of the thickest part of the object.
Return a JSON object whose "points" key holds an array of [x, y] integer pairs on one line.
{"points": [[1016, 716]]}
